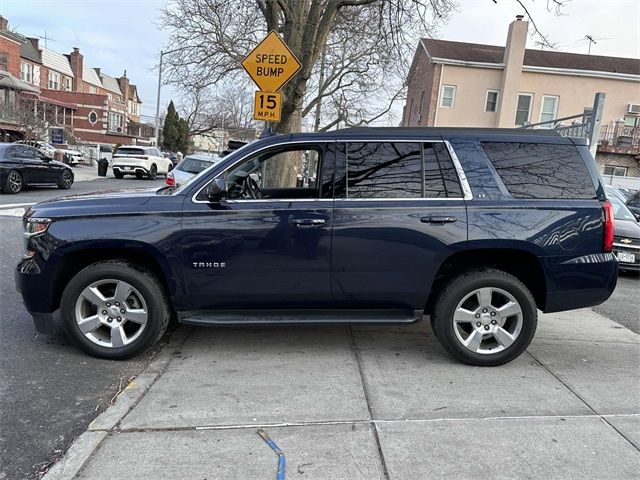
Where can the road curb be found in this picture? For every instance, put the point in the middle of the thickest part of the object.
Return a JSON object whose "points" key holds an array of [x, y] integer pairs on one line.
{"points": [[88, 442]]}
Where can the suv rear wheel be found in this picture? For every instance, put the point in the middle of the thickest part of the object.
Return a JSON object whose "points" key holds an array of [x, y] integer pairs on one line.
{"points": [[114, 309], [485, 317], [153, 171]]}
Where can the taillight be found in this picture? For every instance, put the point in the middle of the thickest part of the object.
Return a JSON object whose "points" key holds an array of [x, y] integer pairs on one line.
{"points": [[608, 226], [170, 181], [143, 157]]}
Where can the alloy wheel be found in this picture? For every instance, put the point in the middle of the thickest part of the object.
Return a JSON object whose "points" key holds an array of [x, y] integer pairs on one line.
{"points": [[111, 313], [488, 320], [15, 182], [67, 179]]}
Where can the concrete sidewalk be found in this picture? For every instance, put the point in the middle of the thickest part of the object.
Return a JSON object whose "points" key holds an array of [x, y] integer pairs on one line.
{"points": [[373, 403]]}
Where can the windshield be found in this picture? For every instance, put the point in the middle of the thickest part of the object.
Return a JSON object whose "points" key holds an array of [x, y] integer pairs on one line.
{"points": [[194, 165], [620, 210]]}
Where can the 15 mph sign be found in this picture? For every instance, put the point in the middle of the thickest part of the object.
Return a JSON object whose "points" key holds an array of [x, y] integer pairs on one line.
{"points": [[271, 64]]}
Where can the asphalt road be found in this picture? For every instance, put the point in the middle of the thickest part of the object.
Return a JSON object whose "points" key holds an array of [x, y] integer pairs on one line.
{"points": [[50, 391]]}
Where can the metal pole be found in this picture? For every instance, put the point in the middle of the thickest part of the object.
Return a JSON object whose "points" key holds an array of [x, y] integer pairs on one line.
{"points": [[158, 99], [596, 119]]}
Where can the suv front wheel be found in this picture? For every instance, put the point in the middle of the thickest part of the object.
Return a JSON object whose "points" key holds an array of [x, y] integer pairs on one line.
{"points": [[114, 309], [485, 317]]}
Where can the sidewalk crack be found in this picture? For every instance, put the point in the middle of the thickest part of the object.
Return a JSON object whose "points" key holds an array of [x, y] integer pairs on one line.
{"points": [[598, 414], [354, 347]]}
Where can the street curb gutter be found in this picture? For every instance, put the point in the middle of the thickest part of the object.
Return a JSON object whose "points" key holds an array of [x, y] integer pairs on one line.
{"points": [[87, 443]]}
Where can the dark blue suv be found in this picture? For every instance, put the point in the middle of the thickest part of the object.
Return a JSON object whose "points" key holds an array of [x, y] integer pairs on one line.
{"points": [[475, 228]]}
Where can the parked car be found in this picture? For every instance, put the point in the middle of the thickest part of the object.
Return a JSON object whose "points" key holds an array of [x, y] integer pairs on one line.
{"points": [[191, 165], [634, 204], [22, 165], [477, 228], [626, 242], [614, 192], [140, 161], [43, 147]]}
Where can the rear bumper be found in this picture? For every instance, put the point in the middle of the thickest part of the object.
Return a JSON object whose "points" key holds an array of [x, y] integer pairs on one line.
{"points": [[579, 282], [130, 169], [622, 252]]}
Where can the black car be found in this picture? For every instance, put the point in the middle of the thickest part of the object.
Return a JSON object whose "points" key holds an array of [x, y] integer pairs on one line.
{"points": [[477, 228], [23, 165], [634, 204]]}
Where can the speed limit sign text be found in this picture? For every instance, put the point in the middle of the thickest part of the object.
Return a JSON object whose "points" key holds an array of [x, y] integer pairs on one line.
{"points": [[267, 106]]}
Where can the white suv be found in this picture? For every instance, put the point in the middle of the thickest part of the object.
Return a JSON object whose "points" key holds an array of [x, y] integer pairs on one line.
{"points": [[140, 161]]}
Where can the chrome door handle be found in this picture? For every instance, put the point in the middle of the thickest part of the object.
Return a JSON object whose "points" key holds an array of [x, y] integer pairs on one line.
{"points": [[438, 220]]}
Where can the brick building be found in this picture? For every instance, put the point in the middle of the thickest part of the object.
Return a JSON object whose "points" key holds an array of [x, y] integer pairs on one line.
{"points": [[473, 85], [73, 102]]}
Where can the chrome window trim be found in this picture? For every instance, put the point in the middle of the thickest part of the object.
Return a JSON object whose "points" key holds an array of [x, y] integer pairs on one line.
{"points": [[462, 178]]}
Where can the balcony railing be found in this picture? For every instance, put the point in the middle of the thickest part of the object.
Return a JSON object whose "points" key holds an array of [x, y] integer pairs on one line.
{"points": [[619, 138]]}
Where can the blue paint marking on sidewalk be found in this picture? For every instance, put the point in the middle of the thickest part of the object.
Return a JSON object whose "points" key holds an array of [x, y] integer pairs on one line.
{"points": [[275, 448]]}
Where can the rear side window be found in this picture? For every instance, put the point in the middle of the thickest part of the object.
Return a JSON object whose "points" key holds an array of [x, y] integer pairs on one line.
{"points": [[538, 170], [400, 170]]}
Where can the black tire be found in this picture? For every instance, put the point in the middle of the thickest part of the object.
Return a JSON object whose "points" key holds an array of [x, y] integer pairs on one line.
{"points": [[66, 180], [463, 285], [13, 183], [118, 174], [153, 172], [144, 281], [139, 175]]}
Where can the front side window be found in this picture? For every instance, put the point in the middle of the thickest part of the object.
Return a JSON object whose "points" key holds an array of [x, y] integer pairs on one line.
{"points": [[278, 174], [448, 96], [523, 110], [491, 105], [540, 171], [549, 109], [400, 170]]}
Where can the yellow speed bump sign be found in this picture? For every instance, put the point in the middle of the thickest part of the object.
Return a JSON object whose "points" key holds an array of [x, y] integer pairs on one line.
{"points": [[267, 106], [271, 64]]}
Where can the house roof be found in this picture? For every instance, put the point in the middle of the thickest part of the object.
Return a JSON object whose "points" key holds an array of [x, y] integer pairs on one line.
{"points": [[475, 52], [27, 49], [110, 83], [133, 93], [56, 61], [90, 76]]}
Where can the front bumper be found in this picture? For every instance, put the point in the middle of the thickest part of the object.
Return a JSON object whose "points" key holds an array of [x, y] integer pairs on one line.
{"points": [[36, 291]]}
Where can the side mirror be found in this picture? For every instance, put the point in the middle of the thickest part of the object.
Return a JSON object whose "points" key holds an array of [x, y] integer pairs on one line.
{"points": [[217, 189]]}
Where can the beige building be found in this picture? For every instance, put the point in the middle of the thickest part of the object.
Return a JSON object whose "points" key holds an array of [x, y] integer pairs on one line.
{"points": [[463, 84]]}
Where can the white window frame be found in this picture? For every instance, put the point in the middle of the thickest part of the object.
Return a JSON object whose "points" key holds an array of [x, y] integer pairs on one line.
{"points": [[614, 168], [555, 110], [453, 96], [53, 80], [68, 84], [26, 72], [524, 94], [486, 100]]}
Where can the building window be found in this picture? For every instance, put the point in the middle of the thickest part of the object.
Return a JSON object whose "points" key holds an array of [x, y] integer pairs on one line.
{"points": [[92, 89], [116, 122], [632, 121], [92, 117], [26, 72], [491, 103], [67, 84], [448, 96], [549, 109], [615, 171], [523, 110], [3, 62], [54, 80], [109, 96]]}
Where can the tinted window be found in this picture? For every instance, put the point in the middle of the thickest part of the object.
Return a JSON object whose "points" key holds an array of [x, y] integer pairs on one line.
{"points": [[400, 170], [536, 170], [635, 200], [384, 170], [131, 151]]}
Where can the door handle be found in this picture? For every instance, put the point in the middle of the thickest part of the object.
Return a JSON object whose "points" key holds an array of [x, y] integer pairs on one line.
{"points": [[307, 222], [438, 220]]}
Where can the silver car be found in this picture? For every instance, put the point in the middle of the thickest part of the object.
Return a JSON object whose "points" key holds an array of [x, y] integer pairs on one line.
{"points": [[189, 166]]}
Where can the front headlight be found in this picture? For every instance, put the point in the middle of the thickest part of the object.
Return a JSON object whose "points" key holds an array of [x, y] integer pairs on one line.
{"points": [[32, 228], [36, 226]]}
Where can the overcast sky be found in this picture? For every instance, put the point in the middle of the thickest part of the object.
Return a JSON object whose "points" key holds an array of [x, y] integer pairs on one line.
{"points": [[122, 34]]}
